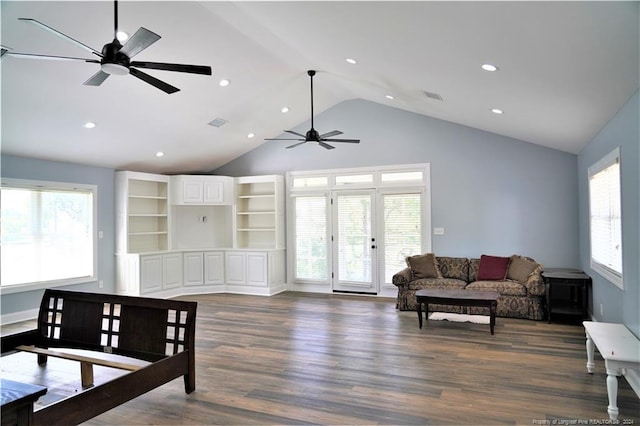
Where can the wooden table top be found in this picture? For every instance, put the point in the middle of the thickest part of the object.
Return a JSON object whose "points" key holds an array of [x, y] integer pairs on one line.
{"points": [[13, 392], [565, 274], [458, 294]]}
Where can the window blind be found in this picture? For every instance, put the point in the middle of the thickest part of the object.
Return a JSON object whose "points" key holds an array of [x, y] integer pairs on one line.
{"points": [[402, 231], [605, 217], [47, 234], [311, 238]]}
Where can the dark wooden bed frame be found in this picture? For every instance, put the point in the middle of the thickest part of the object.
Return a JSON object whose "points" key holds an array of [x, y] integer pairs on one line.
{"points": [[159, 331]]}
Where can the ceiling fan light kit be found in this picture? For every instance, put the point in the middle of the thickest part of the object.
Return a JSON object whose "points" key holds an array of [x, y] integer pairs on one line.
{"points": [[115, 58], [313, 135]]}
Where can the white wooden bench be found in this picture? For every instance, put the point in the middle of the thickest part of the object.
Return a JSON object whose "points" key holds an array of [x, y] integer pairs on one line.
{"points": [[620, 349]]}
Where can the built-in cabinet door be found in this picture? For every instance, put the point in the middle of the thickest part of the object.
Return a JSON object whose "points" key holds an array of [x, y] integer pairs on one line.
{"points": [[158, 272], [193, 269], [235, 268], [257, 269], [192, 191], [214, 267], [150, 273], [201, 190], [171, 270], [213, 192]]}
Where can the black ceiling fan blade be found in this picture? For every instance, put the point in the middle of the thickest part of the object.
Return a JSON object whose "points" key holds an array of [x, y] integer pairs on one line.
{"points": [[284, 139], [4, 50], [50, 57], [142, 39], [61, 35], [343, 140], [97, 79], [193, 69], [165, 87], [296, 144], [331, 133], [295, 133], [326, 145]]}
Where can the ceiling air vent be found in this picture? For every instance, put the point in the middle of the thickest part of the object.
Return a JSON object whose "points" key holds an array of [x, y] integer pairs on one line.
{"points": [[218, 122], [432, 95]]}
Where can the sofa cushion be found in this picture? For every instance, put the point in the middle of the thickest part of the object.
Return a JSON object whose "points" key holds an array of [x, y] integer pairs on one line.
{"points": [[446, 283], [454, 267], [473, 269], [423, 266], [507, 288], [520, 268], [492, 268]]}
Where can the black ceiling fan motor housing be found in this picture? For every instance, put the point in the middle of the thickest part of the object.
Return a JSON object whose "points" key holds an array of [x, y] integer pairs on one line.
{"points": [[111, 54]]}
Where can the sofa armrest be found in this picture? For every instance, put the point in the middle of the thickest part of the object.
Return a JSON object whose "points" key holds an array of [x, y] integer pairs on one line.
{"points": [[535, 283], [401, 279]]}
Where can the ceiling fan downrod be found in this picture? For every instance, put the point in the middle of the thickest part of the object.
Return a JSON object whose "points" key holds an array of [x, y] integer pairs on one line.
{"points": [[311, 73]]}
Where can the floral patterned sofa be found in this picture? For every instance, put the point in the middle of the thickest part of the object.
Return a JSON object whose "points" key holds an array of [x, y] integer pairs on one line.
{"points": [[517, 278]]}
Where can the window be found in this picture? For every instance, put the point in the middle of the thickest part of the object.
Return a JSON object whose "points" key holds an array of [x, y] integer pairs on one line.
{"points": [[350, 230], [311, 238], [47, 233], [605, 218], [402, 230], [354, 179]]}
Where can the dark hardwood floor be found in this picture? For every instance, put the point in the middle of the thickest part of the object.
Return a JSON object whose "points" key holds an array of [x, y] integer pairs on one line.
{"points": [[299, 358]]}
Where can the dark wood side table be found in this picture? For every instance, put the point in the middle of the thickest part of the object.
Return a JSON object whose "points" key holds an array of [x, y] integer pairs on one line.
{"points": [[578, 284], [17, 401]]}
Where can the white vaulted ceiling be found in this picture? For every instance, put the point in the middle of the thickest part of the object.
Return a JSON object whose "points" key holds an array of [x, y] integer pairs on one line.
{"points": [[565, 68]]}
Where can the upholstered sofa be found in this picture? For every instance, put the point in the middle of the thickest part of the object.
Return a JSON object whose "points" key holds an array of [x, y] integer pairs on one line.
{"points": [[517, 278]]}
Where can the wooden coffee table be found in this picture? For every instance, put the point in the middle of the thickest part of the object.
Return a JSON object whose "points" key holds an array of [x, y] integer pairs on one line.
{"points": [[487, 299]]}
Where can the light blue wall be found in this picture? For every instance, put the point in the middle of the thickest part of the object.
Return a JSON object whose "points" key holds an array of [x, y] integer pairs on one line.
{"points": [[25, 168], [623, 131], [492, 194]]}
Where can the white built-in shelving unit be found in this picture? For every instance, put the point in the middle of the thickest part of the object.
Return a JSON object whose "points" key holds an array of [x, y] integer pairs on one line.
{"points": [[142, 212], [193, 234], [260, 212]]}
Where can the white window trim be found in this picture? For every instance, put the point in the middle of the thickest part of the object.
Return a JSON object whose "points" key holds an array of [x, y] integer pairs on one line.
{"points": [[34, 184], [610, 275]]}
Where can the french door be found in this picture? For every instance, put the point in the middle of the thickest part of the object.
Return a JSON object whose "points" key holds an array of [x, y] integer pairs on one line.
{"points": [[354, 241]]}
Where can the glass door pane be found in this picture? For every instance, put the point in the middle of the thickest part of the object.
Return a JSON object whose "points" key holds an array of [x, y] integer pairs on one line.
{"points": [[354, 242]]}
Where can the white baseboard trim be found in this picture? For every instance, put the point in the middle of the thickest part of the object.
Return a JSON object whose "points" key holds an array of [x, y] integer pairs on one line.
{"points": [[14, 317], [633, 377]]}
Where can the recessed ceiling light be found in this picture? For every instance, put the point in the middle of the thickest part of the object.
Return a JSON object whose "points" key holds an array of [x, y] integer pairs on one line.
{"points": [[159, 154], [389, 97], [89, 125], [250, 135], [496, 111], [351, 61], [122, 36], [224, 82], [489, 67], [285, 109]]}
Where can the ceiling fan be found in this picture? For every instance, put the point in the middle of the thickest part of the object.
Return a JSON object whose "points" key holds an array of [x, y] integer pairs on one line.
{"points": [[313, 135], [115, 58]]}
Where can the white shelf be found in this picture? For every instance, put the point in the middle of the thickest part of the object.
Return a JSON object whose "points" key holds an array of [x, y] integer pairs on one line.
{"points": [[148, 233], [142, 212], [256, 196], [260, 212]]}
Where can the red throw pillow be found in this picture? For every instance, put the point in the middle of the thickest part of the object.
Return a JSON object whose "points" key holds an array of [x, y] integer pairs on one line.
{"points": [[492, 268]]}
